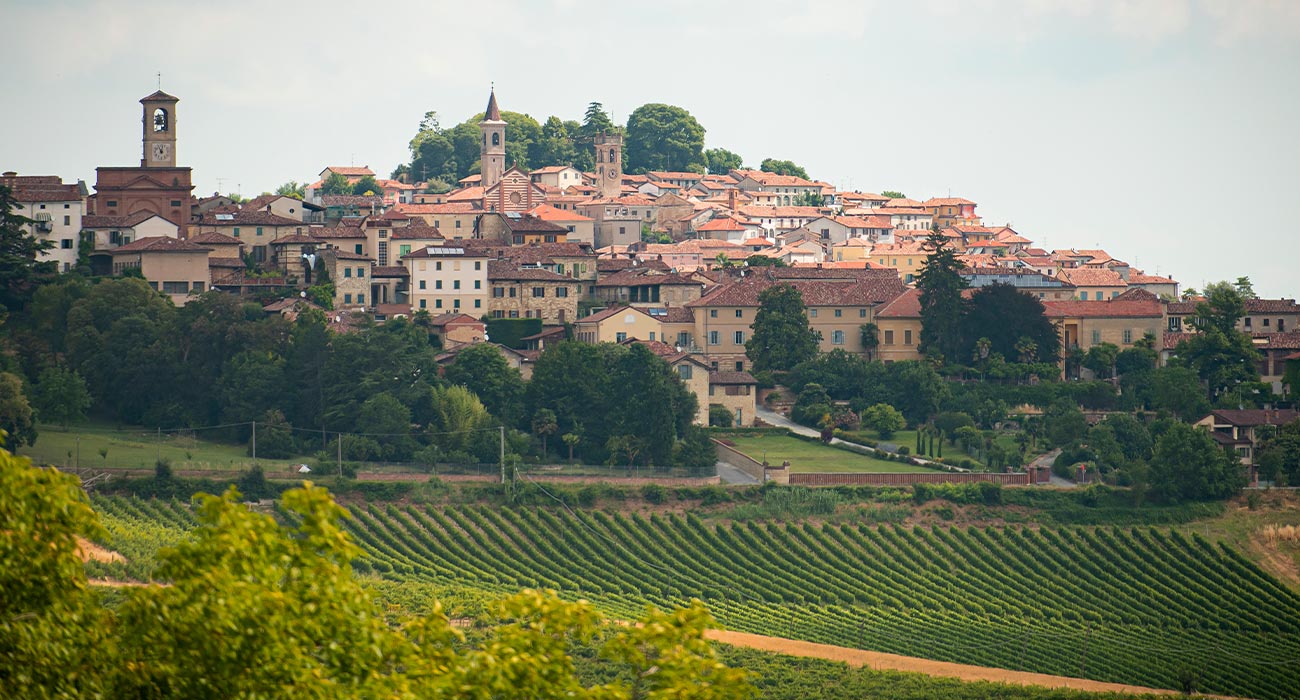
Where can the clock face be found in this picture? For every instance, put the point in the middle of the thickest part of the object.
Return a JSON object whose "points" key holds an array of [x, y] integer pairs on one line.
{"points": [[611, 174], [161, 151]]}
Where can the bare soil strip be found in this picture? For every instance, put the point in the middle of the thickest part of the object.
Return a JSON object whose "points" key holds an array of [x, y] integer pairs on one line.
{"points": [[893, 662]]}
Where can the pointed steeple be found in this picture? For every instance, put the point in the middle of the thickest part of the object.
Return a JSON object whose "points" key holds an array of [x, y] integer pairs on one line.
{"points": [[492, 113]]}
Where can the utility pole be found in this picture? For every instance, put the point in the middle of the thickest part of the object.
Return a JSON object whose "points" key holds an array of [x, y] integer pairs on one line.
{"points": [[254, 443], [503, 454]]}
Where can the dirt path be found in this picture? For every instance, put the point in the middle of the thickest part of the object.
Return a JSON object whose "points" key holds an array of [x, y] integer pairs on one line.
{"points": [[894, 662]]}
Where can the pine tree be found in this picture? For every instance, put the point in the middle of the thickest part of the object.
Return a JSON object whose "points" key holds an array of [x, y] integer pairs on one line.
{"points": [[942, 305]]}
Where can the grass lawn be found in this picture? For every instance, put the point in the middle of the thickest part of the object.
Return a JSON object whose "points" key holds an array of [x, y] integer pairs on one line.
{"points": [[951, 452], [137, 448], [812, 457]]}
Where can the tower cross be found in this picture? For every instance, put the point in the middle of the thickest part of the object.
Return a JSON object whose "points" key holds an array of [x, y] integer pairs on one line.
{"points": [[160, 80]]}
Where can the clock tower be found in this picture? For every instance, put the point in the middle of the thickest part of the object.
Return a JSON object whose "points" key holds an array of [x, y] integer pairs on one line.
{"points": [[609, 164], [159, 131], [158, 186]]}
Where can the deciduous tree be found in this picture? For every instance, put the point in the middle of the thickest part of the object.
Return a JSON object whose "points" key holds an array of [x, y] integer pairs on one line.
{"points": [[782, 167], [1188, 465], [664, 137]]}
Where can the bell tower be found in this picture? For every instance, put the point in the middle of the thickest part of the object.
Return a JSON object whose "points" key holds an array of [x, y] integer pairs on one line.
{"points": [[609, 164], [492, 154], [159, 131]]}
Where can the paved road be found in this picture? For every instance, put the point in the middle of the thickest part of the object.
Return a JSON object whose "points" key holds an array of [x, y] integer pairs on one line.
{"points": [[732, 475]]}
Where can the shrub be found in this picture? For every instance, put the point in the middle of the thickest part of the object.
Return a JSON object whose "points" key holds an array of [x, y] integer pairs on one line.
{"points": [[719, 416], [654, 493], [904, 450]]}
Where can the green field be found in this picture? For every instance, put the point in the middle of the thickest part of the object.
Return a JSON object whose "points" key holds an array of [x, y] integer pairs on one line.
{"points": [[951, 452], [807, 456], [1143, 606], [138, 448]]}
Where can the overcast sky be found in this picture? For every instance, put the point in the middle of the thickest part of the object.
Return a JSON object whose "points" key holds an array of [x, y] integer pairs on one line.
{"points": [[1165, 131]]}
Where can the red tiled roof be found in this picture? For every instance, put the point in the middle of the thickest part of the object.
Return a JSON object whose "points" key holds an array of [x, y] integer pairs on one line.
{"points": [[946, 202], [351, 200], [1092, 277], [214, 238], [722, 223], [1252, 417], [389, 271], [447, 208], [339, 232], [1272, 306], [350, 171], [409, 233], [160, 244], [296, 239], [447, 251], [546, 212], [602, 315], [731, 378], [865, 291], [905, 305], [531, 224], [105, 221], [641, 276], [507, 270], [246, 217], [1111, 308]]}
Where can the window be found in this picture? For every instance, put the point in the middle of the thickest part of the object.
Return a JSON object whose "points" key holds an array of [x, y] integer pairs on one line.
{"points": [[561, 292], [514, 313], [713, 313], [683, 339], [112, 203], [713, 337], [347, 298], [498, 292], [422, 304], [1175, 323], [539, 292], [357, 249], [437, 284], [478, 303], [862, 313], [455, 303], [236, 232], [66, 244], [1128, 336], [361, 272], [438, 265], [652, 336], [513, 293], [684, 371], [812, 313], [176, 287], [1248, 322], [837, 338], [478, 284], [403, 250], [383, 233], [455, 284], [198, 287], [889, 337], [259, 230], [839, 313], [620, 337], [907, 337], [457, 223], [498, 314], [176, 202], [67, 220], [740, 337], [437, 303], [1096, 337], [740, 367], [424, 284], [740, 313], [347, 272], [622, 230]]}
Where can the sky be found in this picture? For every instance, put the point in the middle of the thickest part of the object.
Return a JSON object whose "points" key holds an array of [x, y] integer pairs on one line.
{"points": [[1165, 131]]}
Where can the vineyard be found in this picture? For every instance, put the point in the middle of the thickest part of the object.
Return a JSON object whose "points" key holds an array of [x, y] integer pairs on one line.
{"points": [[1141, 606]]}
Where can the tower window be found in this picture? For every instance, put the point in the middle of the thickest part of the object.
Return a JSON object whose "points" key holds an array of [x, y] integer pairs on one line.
{"points": [[160, 119], [496, 139], [611, 155]]}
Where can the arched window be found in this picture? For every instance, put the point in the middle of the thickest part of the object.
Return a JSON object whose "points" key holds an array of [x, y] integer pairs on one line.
{"points": [[160, 119], [600, 156], [496, 139], [611, 155]]}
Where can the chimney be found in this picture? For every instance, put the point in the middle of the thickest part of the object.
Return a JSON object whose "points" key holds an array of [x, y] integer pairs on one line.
{"points": [[731, 199]]}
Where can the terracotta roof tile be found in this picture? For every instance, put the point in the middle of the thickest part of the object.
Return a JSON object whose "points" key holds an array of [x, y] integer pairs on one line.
{"points": [[160, 244]]}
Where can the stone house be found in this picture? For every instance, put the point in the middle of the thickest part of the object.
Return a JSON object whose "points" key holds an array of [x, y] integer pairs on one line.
{"points": [[175, 267], [531, 292]]}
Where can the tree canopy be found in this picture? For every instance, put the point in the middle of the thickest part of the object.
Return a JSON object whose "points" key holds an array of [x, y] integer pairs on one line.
{"points": [[942, 304], [265, 607], [1007, 317], [781, 336], [664, 137], [782, 167], [720, 161]]}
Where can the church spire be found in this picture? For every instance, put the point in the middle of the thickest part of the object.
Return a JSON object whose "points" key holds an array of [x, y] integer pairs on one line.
{"points": [[492, 113]]}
